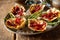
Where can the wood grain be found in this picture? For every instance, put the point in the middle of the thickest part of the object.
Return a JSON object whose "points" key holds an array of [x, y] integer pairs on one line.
{"points": [[5, 6]]}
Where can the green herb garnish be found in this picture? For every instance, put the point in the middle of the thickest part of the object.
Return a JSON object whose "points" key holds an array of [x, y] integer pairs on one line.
{"points": [[10, 15]]}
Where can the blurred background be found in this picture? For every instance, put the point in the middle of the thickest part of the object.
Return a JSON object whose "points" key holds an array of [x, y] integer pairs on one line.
{"points": [[5, 6]]}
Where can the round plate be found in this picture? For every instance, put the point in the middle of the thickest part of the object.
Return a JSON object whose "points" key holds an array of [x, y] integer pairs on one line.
{"points": [[26, 31]]}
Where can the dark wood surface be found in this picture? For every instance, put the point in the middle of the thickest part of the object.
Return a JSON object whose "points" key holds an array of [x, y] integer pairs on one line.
{"points": [[5, 6], [51, 35]]}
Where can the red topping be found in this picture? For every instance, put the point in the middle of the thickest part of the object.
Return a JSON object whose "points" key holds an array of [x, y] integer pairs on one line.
{"points": [[37, 26], [18, 20], [11, 24], [32, 23], [50, 15], [20, 12], [16, 10], [37, 7]]}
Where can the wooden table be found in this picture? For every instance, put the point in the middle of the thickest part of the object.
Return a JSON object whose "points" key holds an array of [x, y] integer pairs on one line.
{"points": [[5, 6]]}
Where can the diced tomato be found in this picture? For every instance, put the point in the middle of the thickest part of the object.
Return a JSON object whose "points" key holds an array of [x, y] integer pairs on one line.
{"points": [[37, 26], [18, 20], [36, 8], [50, 15], [20, 12], [11, 24], [15, 9]]}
